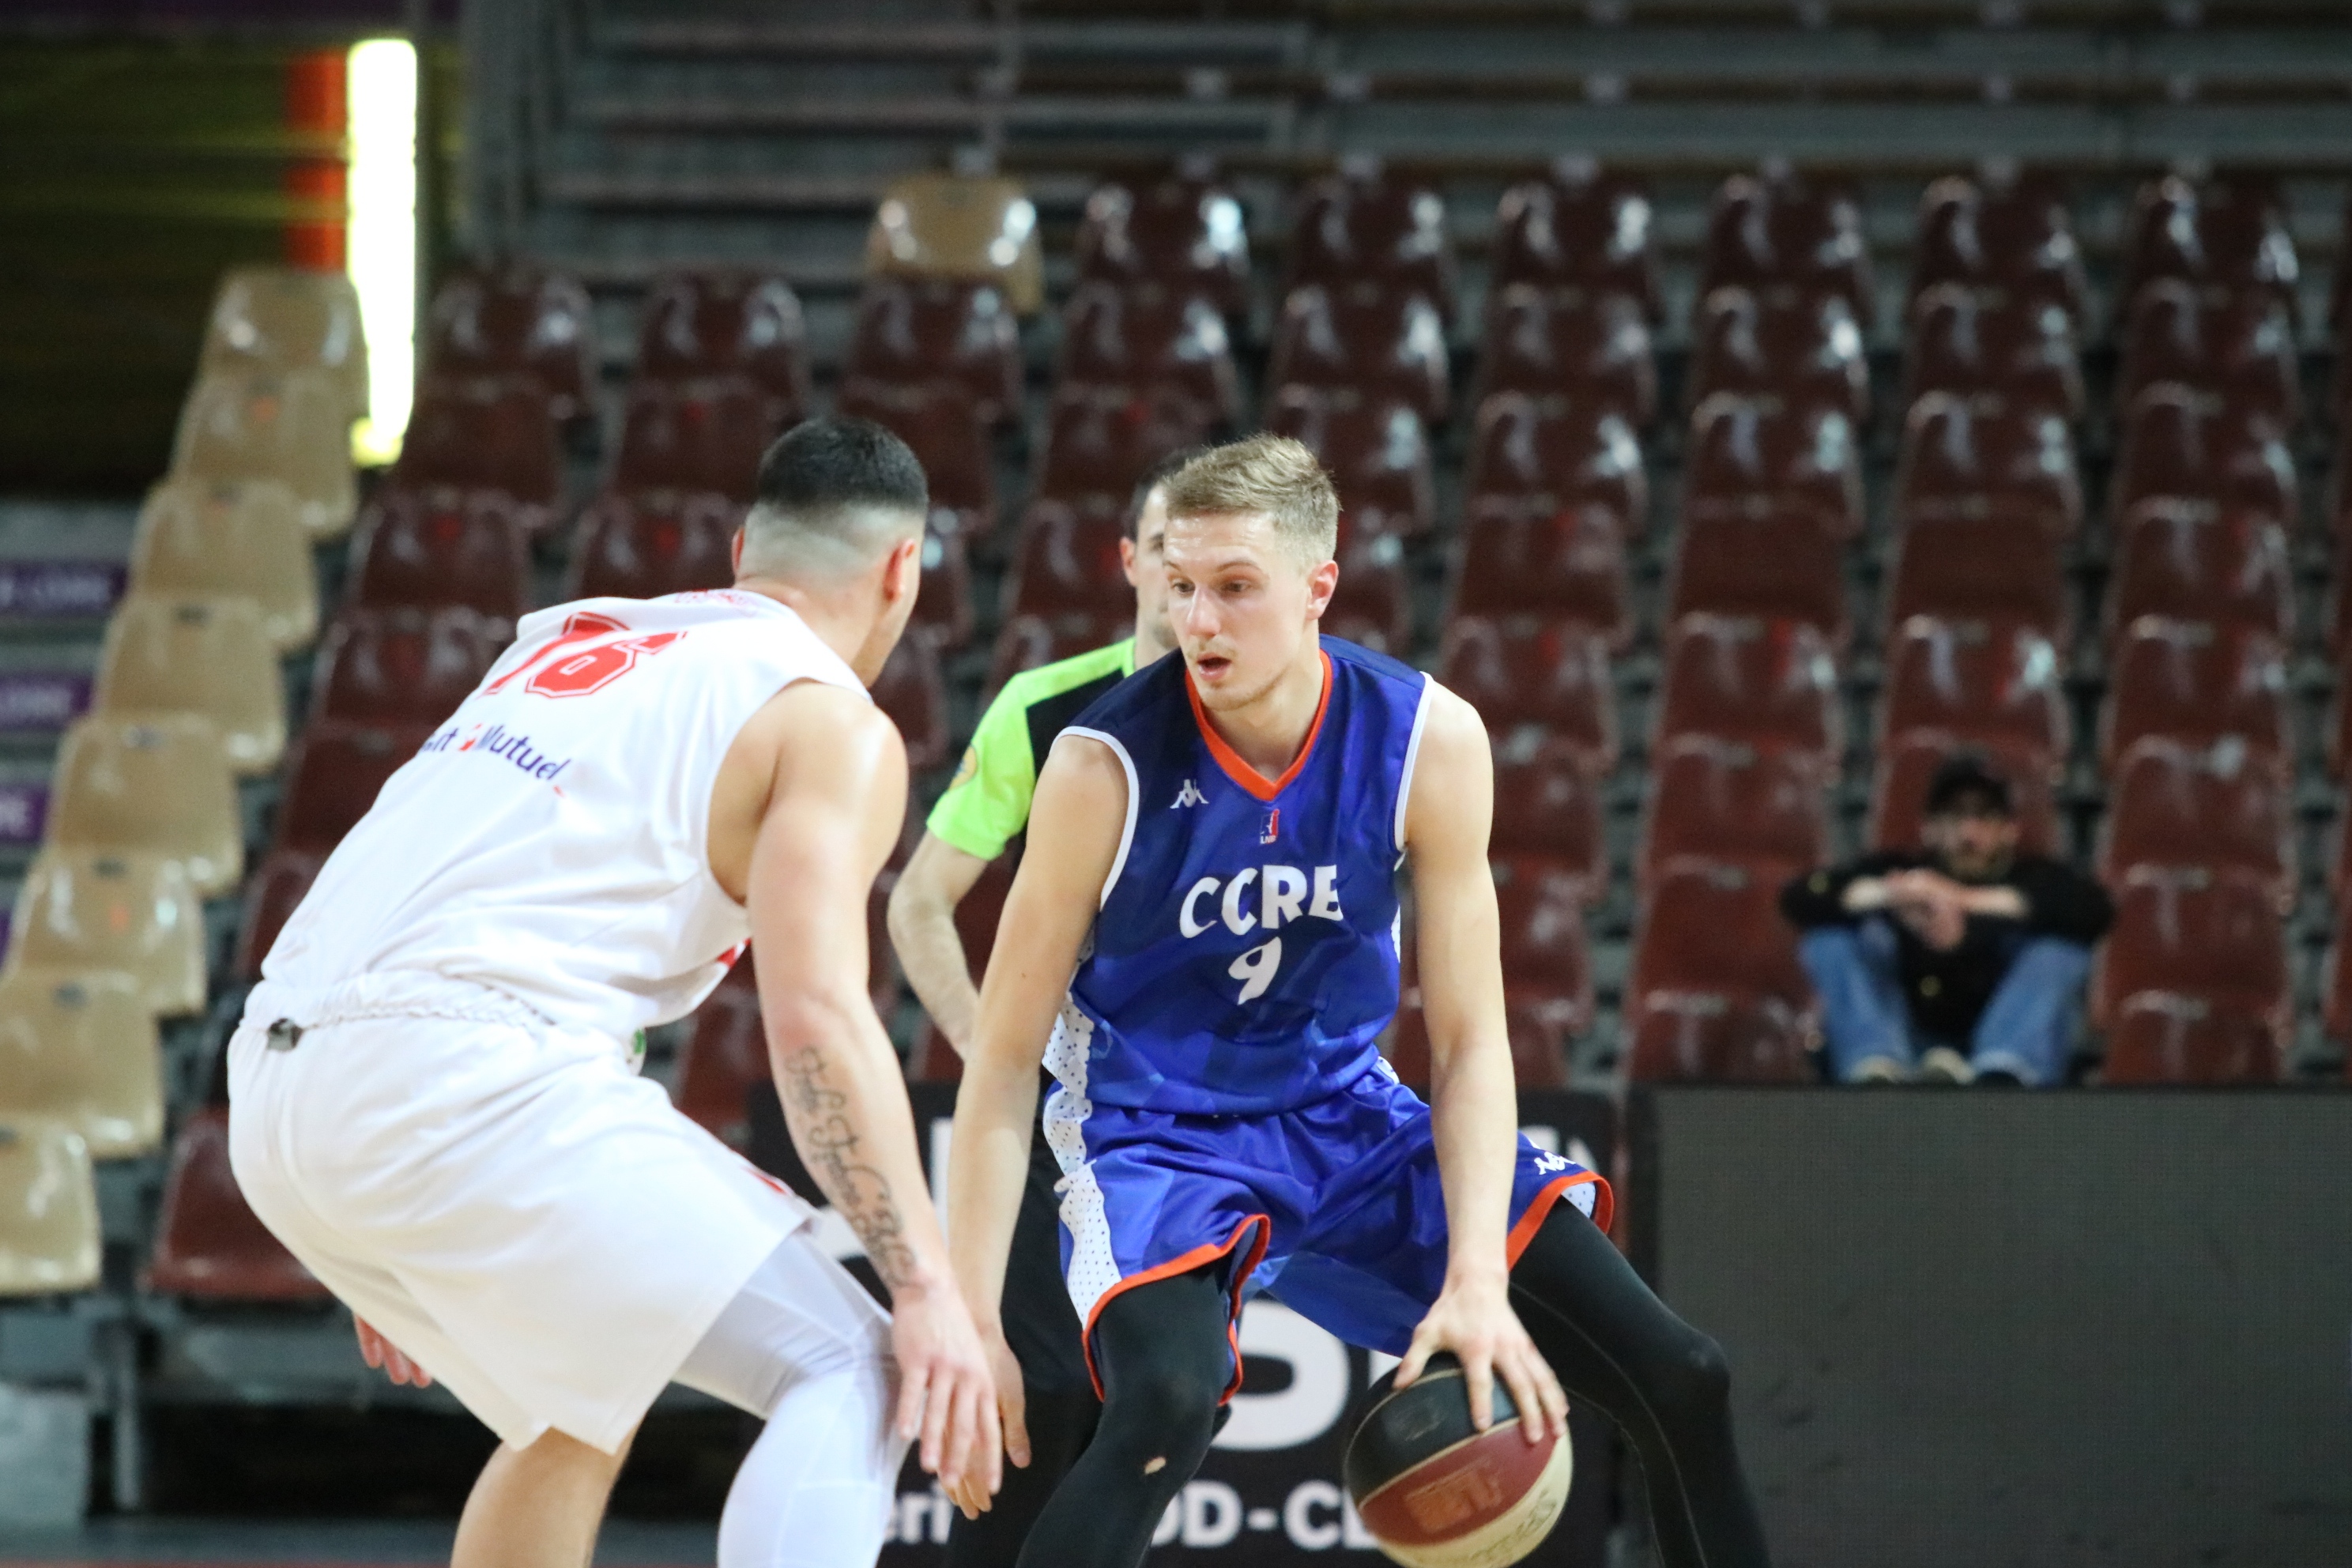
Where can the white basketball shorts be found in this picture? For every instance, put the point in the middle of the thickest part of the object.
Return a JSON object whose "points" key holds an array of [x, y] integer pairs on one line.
{"points": [[505, 1200]]}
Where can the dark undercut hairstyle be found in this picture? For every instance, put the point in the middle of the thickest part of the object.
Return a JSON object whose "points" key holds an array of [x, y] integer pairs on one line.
{"points": [[1159, 474], [833, 495]]}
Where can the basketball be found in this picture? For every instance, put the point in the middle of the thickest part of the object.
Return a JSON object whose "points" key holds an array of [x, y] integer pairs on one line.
{"points": [[1435, 1492]]}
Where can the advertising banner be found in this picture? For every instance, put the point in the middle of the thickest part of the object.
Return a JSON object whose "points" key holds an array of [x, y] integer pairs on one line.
{"points": [[1269, 1490]]}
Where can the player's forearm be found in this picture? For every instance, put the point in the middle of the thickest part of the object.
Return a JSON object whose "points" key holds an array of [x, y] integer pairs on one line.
{"points": [[988, 1164], [1474, 1118], [844, 1100], [931, 955]]}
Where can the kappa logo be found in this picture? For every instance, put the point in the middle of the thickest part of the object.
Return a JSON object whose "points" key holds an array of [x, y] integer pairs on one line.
{"points": [[1188, 795]]}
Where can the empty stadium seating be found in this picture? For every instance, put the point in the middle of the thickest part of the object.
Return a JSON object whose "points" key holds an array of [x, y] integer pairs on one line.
{"points": [[284, 318], [209, 1245], [49, 1235], [911, 690], [402, 664], [1970, 456], [1744, 678], [1359, 228], [1987, 681], [1377, 452], [1965, 344], [1764, 808], [1373, 601], [1139, 336], [78, 1046], [2017, 243], [1805, 348], [1546, 967], [1554, 447], [214, 538], [1523, 555], [1778, 232], [2001, 566], [2172, 803], [936, 333], [2178, 441], [2164, 1036], [1186, 235], [962, 228], [1548, 812], [2197, 683], [1578, 227], [2239, 348], [1716, 990], [208, 656], [2213, 933], [487, 434], [943, 609], [2190, 560], [115, 910], [1747, 452], [1553, 676], [1099, 442], [2226, 235], [704, 434], [292, 425], [156, 785], [1358, 339], [333, 775], [1597, 347], [641, 544], [1067, 561], [1783, 563], [441, 546], [730, 323], [514, 319]]}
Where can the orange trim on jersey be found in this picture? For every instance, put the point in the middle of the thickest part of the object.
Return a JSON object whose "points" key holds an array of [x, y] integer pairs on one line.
{"points": [[1208, 1252], [1240, 771], [1604, 1209]]}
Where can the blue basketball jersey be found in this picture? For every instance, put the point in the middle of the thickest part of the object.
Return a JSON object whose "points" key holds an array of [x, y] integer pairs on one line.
{"points": [[1244, 958]]}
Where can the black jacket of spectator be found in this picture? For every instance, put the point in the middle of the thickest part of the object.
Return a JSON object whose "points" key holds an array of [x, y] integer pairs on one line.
{"points": [[1948, 991]]}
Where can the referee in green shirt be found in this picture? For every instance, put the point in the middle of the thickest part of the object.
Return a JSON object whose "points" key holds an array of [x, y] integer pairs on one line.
{"points": [[984, 810]]}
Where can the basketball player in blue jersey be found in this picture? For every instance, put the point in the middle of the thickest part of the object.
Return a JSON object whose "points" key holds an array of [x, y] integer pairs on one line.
{"points": [[1204, 929]]}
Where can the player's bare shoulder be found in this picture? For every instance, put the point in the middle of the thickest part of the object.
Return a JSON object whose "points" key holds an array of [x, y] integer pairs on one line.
{"points": [[1451, 785], [811, 735]]}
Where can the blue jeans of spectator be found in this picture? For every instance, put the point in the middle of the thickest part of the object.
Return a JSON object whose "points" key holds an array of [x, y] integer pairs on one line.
{"points": [[2027, 1029]]}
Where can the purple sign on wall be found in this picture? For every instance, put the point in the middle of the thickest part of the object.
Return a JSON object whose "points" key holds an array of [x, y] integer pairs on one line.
{"points": [[37, 700], [59, 588], [23, 808]]}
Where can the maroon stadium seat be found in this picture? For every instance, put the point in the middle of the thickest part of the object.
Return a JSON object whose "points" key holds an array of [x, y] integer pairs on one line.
{"points": [[2017, 242], [486, 434], [1578, 227], [441, 546], [712, 322], [1547, 968], [403, 665], [930, 331], [1559, 450], [1907, 762], [643, 544], [1804, 348], [940, 424], [2197, 683], [2192, 561], [1067, 561], [1384, 346], [1377, 452], [977, 915], [2241, 349], [1552, 676], [943, 609], [1137, 336], [1523, 555], [1749, 451], [708, 434], [2213, 933], [1373, 601], [1978, 455], [2006, 566], [1786, 562], [1712, 958], [1742, 678], [1967, 344], [2170, 803], [2177, 441], [1185, 236], [1028, 641], [1765, 807], [1767, 233], [208, 1243], [2164, 1036], [721, 1053], [514, 319], [913, 693], [271, 894], [333, 774], [1355, 229], [1987, 681], [1594, 349], [2233, 239], [1548, 811], [1101, 441]]}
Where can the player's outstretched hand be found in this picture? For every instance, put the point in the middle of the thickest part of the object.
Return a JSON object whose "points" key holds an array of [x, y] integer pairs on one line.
{"points": [[947, 1400], [1013, 1413], [1474, 1320], [377, 1350]]}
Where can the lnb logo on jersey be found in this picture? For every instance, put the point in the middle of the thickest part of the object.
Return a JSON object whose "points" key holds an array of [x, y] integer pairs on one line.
{"points": [[498, 741]]}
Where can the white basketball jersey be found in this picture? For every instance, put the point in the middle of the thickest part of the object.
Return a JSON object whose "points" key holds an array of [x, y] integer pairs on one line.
{"points": [[551, 839]]}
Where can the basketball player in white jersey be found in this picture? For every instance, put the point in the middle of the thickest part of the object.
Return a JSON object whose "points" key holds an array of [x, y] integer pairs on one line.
{"points": [[434, 1104]]}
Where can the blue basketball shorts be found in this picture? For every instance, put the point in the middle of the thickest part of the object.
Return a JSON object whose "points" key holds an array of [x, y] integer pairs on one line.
{"points": [[1333, 1209]]}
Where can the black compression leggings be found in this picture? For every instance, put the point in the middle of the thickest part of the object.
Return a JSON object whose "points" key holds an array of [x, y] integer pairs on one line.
{"points": [[1614, 1346]]}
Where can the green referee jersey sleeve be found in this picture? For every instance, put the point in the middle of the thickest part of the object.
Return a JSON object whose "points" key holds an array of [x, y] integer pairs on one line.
{"points": [[987, 804]]}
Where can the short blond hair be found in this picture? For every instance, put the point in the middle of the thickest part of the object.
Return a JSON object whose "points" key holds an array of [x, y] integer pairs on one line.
{"points": [[1271, 475]]}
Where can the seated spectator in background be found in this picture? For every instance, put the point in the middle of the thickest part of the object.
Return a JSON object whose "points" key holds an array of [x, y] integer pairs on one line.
{"points": [[1960, 962]]}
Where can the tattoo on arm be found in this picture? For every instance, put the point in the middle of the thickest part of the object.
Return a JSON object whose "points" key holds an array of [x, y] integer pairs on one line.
{"points": [[831, 1147]]}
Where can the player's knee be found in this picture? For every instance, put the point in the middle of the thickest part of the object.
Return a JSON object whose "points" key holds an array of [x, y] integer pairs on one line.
{"points": [[1695, 1380], [1168, 1410]]}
